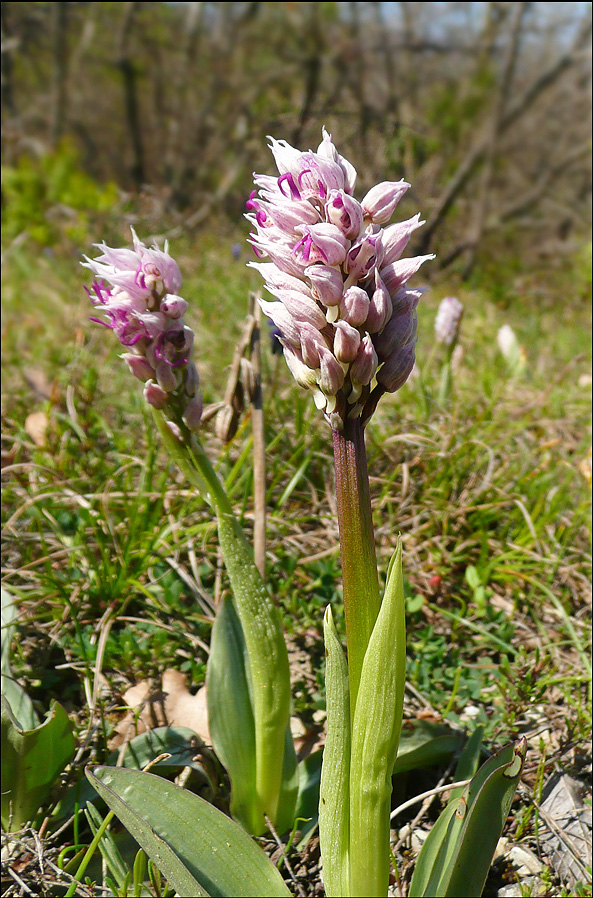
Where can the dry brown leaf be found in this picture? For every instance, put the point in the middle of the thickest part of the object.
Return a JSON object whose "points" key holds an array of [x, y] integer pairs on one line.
{"points": [[36, 426], [38, 382], [8, 456], [173, 705]]}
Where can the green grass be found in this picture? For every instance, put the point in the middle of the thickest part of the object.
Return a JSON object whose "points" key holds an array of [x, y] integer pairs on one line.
{"points": [[102, 535]]}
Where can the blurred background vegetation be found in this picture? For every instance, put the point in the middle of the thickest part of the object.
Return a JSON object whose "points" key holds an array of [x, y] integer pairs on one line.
{"points": [[158, 111]]}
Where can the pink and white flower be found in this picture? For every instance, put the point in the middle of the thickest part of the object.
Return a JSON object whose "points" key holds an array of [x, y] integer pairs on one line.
{"points": [[137, 290], [347, 319]]}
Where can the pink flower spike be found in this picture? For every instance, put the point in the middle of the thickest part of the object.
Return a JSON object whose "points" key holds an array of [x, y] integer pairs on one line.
{"points": [[448, 320], [343, 311], [137, 289]]}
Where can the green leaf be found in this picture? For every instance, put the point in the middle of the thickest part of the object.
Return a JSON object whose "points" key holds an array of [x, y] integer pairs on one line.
{"points": [[457, 854], [375, 736], [472, 577], [197, 848], [307, 806], [230, 714], [31, 762], [335, 773], [488, 804], [9, 616], [468, 762], [179, 742], [466, 767], [289, 785], [424, 743], [107, 846], [20, 704]]}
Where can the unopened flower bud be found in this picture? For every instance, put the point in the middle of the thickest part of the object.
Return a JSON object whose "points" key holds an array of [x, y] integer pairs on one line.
{"points": [[346, 342], [396, 369], [407, 298], [303, 375], [398, 331], [396, 237], [155, 395], [312, 344], [331, 377], [365, 365], [303, 308], [396, 274], [193, 412], [139, 366], [278, 280], [286, 324], [192, 380], [327, 283], [165, 375], [327, 149], [175, 430], [354, 307], [380, 307], [173, 306], [381, 200]]}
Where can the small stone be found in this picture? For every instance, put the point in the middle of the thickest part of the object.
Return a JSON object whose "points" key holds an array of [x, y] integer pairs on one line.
{"points": [[524, 861]]}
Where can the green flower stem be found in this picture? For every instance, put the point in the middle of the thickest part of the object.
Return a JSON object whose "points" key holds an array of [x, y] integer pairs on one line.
{"points": [[362, 599], [446, 375], [268, 659]]}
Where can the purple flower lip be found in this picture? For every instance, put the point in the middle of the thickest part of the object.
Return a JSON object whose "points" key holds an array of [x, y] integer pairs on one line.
{"points": [[293, 191]]}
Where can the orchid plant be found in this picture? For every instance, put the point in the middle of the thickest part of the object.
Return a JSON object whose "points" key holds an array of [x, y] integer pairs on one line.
{"points": [[447, 327], [348, 327], [346, 319]]}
